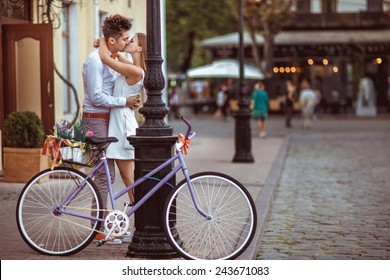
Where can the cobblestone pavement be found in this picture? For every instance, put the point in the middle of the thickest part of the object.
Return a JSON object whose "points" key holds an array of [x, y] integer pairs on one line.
{"points": [[332, 201], [213, 149], [333, 197]]}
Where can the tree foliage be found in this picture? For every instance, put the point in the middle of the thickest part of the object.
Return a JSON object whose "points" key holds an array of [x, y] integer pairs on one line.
{"points": [[272, 13], [267, 17], [188, 22]]}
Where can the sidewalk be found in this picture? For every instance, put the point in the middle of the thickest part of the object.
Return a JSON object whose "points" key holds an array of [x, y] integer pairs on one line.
{"points": [[211, 150]]}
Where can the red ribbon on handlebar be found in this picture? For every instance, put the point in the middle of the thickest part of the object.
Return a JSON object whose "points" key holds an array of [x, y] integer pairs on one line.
{"points": [[186, 143]]}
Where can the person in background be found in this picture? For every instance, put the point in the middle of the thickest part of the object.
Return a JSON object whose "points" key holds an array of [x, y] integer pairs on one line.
{"points": [[259, 106], [290, 98], [174, 102], [220, 101], [307, 100], [231, 102]]}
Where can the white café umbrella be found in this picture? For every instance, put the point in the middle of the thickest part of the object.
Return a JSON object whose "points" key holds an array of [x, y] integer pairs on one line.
{"points": [[225, 68]]}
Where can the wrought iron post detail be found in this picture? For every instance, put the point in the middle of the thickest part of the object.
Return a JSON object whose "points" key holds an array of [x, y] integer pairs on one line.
{"points": [[153, 145]]}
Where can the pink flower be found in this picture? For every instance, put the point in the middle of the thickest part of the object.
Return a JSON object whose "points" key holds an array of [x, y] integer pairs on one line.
{"points": [[89, 133]]}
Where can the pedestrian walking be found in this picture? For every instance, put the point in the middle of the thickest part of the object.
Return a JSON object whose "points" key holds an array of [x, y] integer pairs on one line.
{"points": [[259, 106], [174, 102], [231, 102], [289, 104], [221, 103], [307, 100]]}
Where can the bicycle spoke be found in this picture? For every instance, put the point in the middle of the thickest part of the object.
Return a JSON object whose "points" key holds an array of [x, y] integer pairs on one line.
{"points": [[42, 224], [232, 224]]}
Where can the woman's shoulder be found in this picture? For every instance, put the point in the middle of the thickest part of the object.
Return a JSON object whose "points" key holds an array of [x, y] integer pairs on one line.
{"points": [[136, 84]]}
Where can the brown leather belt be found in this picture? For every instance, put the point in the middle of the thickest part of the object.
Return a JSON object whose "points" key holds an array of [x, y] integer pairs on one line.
{"points": [[96, 115]]}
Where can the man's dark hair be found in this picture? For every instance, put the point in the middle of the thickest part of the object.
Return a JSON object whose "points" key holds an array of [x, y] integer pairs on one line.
{"points": [[115, 25]]}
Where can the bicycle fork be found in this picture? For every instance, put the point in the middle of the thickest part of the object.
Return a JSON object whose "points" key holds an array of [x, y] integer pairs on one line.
{"points": [[191, 188]]}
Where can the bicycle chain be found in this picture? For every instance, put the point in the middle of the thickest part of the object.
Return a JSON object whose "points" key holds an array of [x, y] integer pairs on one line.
{"points": [[77, 224]]}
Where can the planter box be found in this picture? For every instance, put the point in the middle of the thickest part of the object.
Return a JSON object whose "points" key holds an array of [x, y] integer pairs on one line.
{"points": [[21, 164]]}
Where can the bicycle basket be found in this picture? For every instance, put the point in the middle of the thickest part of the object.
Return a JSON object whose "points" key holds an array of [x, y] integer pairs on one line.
{"points": [[68, 151], [86, 155]]}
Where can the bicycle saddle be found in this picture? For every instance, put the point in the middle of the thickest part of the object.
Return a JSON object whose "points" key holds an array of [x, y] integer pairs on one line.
{"points": [[100, 140]]}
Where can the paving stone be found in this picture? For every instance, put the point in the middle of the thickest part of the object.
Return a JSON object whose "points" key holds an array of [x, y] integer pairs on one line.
{"points": [[334, 191]]}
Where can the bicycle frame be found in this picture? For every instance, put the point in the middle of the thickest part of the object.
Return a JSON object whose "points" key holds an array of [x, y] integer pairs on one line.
{"points": [[113, 197]]}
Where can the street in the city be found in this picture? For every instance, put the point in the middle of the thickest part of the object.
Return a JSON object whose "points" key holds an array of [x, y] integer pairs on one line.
{"points": [[333, 197], [321, 193], [211, 150]]}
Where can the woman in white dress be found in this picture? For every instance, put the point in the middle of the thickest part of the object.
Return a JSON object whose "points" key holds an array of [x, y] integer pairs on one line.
{"points": [[123, 122]]}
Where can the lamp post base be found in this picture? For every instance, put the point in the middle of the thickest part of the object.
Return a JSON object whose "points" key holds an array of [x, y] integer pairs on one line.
{"points": [[243, 137], [149, 240], [150, 246]]}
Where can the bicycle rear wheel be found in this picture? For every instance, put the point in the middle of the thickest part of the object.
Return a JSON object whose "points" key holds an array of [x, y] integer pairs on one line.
{"points": [[233, 217], [42, 224]]}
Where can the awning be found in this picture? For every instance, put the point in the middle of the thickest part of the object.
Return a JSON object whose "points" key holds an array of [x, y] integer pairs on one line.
{"points": [[307, 37], [225, 68]]}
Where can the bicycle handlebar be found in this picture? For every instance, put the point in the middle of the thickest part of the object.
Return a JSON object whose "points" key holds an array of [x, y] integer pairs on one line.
{"points": [[189, 126]]}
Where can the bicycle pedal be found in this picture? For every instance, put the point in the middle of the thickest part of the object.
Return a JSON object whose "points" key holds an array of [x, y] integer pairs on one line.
{"points": [[131, 204], [100, 243]]}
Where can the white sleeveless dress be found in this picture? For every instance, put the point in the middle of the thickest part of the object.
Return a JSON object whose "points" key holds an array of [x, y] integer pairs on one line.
{"points": [[122, 120]]}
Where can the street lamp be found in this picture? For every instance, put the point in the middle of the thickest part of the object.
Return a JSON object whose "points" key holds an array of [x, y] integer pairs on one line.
{"points": [[242, 117], [153, 145]]}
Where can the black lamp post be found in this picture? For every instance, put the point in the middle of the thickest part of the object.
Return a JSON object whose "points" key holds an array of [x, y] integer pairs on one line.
{"points": [[242, 128], [153, 144]]}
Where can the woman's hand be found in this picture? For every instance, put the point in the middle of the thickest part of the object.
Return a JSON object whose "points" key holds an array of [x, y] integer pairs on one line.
{"points": [[96, 43]]}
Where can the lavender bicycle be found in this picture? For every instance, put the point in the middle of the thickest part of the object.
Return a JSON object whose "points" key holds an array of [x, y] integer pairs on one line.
{"points": [[208, 215]]}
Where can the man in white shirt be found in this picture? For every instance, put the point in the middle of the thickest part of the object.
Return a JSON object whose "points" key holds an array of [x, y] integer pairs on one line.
{"points": [[99, 82]]}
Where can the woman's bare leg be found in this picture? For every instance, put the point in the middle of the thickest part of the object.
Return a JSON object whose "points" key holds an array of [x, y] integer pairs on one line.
{"points": [[126, 169]]}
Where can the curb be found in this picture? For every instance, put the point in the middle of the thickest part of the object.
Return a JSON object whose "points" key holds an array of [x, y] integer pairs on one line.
{"points": [[264, 200]]}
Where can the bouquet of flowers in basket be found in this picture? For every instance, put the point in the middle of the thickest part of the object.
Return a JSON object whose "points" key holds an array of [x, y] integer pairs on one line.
{"points": [[63, 129], [67, 144], [78, 132], [80, 149]]}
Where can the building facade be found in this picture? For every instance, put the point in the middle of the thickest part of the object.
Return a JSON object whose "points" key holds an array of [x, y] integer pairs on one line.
{"points": [[43, 45], [334, 43]]}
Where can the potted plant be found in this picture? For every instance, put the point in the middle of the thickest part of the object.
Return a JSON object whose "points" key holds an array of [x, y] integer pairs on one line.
{"points": [[23, 139]]}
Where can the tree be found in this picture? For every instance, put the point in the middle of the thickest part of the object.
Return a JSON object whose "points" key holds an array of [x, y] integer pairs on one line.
{"points": [[267, 17], [188, 22]]}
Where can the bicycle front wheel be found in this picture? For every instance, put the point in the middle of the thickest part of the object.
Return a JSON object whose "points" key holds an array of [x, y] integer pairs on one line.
{"points": [[41, 222], [233, 217]]}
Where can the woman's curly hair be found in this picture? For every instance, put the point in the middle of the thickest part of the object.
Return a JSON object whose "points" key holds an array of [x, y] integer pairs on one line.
{"points": [[114, 26]]}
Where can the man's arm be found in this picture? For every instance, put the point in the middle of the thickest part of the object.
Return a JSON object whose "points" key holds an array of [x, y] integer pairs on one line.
{"points": [[95, 88], [134, 101]]}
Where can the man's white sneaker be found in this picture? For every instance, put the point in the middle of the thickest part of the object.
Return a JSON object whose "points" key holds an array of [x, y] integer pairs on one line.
{"points": [[99, 238], [127, 237]]}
